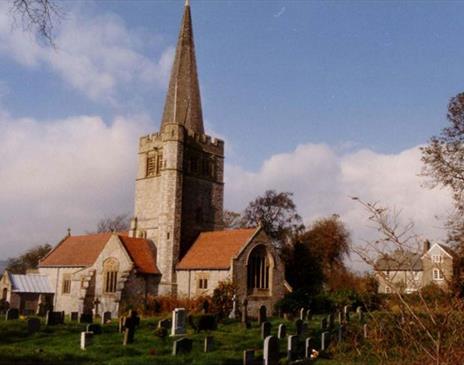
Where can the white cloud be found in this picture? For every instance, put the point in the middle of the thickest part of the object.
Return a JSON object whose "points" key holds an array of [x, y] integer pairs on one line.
{"points": [[95, 54], [63, 173], [323, 179]]}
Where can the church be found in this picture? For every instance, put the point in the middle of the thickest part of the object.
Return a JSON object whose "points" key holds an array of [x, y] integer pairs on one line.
{"points": [[176, 244]]}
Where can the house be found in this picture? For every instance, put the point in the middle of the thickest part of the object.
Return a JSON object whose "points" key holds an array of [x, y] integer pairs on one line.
{"points": [[408, 271]]}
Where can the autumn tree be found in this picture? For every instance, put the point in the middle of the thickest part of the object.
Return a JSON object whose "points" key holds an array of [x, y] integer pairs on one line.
{"points": [[28, 260]]}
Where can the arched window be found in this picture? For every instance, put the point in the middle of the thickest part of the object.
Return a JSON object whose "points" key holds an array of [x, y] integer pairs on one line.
{"points": [[110, 275], [258, 271], [437, 274]]}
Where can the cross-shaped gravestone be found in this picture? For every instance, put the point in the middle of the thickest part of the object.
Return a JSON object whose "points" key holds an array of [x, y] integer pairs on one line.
{"points": [[182, 346], [262, 314], [265, 329], [292, 343], [271, 351], [179, 317], [281, 331]]}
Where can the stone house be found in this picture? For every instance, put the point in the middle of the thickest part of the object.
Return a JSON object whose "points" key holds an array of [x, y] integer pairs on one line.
{"points": [[408, 271]]}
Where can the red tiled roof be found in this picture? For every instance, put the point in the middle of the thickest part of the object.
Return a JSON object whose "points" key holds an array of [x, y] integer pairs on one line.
{"points": [[76, 250], [214, 250], [142, 253]]}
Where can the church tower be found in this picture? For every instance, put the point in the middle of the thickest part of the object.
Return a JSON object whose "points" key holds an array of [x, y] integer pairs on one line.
{"points": [[179, 187]]}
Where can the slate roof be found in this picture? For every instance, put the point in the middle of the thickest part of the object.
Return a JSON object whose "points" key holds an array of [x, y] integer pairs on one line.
{"points": [[214, 250], [30, 283], [399, 260], [83, 251]]}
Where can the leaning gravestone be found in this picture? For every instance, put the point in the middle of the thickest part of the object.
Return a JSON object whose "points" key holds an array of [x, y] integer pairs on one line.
{"points": [[299, 327], [12, 314], [262, 314], [292, 343], [86, 339], [281, 331], [265, 329], [182, 346], [271, 351], [106, 318], [249, 357], [179, 317], [325, 338], [54, 318], [94, 328], [33, 325], [208, 344], [74, 316], [308, 347]]}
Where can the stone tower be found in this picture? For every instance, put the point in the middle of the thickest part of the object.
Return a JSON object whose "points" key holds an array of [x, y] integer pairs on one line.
{"points": [[179, 186]]}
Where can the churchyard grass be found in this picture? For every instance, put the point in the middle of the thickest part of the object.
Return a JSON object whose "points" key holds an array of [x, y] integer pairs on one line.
{"points": [[60, 344]]}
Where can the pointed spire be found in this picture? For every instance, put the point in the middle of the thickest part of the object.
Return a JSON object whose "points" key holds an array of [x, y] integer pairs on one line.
{"points": [[183, 102]]}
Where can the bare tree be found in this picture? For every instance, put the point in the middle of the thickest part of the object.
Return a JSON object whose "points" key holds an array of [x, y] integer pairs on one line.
{"points": [[118, 223]]}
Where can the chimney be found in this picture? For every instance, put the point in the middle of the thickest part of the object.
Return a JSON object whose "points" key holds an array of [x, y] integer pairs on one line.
{"points": [[426, 246]]}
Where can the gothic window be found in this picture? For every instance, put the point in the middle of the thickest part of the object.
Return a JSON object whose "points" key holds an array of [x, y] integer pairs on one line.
{"points": [[66, 284], [437, 259], [110, 275], [258, 270]]}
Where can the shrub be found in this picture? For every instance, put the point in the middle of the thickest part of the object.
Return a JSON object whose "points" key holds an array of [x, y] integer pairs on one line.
{"points": [[203, 322], [222, 298]]}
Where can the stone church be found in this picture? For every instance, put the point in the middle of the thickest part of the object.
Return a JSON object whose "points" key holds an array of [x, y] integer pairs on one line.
{"points": [[176, 244]]}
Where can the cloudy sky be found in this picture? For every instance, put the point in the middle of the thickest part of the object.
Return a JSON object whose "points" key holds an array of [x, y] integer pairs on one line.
{"points": [[323, 99]]}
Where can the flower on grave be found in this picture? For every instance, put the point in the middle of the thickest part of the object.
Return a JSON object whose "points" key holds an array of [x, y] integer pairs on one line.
{"points": [[314, 354]]}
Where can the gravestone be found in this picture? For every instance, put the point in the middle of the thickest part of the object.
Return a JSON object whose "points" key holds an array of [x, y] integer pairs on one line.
{"points": [[271, 351], [302, 314], [86, 339], [265, 329], [182, 346], [122, 320], [86, 318], [245, 311], [309, 315], [340, 317], [299, 327], [308, 347], [234, 313], [74, 316], [281, 331], [249, 357], [12, 314], [164, 323], [33, 325], [106, 318], [179, 317], [262, 314], [323, 323], [208, 344], [365, 330], [292, 343], [346, 312], [94, 328], [341, 330], [54, 318], [325, 338], [330, 320], [130, 325]]}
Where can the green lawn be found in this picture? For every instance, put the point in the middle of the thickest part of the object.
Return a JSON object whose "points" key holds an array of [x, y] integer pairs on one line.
{"points": [[60, 345]]}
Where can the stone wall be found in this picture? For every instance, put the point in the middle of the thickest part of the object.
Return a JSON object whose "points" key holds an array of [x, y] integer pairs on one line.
{"points": [[445, 267], [188, 281]]}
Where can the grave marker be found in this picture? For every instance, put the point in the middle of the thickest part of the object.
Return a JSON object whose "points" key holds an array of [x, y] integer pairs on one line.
{"points": [[106, 318], [234, 313], [208, 344], [12, 314], [281, 331], [325, 338], [249, 357], [74, 316], [308, 347], [265, 329], [179, 317], [86, 339], [271, 351], [292, 343], [94, 328], [182, 346]]}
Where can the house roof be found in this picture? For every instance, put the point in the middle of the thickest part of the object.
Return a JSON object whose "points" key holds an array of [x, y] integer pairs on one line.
{"points": [[83, 251], [447, 249], [215, 250], [399, 260], [30, 283]]}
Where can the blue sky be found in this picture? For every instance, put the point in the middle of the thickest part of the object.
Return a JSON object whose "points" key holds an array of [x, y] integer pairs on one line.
{"points": [[325, 88]]}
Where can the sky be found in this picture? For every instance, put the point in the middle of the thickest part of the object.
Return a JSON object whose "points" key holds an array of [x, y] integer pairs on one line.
{"points": [[324, 99]]}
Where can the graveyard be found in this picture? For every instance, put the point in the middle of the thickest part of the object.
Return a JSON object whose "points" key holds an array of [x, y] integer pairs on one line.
{"points": [[57, 339]]}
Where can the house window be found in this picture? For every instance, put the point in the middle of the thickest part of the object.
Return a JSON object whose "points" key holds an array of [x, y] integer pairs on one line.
{"points": [[110, 275], [258, 270], [203, 283], [437, 274], [437, 259], [66, 284]]}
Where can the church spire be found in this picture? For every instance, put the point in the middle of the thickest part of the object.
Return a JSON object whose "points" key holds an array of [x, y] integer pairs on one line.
{"points": [[183, 102]]}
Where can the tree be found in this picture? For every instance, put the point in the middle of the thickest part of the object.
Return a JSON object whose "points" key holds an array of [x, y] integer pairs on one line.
{"points": [[118, 223], [276, 212], [38, 16], [232, 219], [28, 260]]}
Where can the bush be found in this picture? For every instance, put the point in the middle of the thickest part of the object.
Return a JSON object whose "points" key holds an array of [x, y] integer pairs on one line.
{"points": [[292, 302], [222, 298], [203, 322], [156, 305]]}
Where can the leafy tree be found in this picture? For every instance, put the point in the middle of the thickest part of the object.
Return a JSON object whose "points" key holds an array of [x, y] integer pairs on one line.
{"points": [[277, 213], [28, 260], [118, 223]]}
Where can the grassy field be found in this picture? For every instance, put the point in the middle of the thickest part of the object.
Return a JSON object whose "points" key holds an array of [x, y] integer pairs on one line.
{"points": [[60, 345]]}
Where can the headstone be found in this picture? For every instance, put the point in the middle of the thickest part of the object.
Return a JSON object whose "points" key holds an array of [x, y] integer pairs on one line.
{"points": [[86, 318], [265, 329], [249, 357], [292, 343], [182, 346], [299, 327], [86, 339], [179, 317], [33, 325], [308, 347], [262, 314], [12, 314], [341, 330], [302, 314], [346, 312], [54, 318], [94, 328], [309, 315], [74, 316], [271, 351], [281, 331], [208, 344], [106, 318], [340, 317], [245, 311], [323, 323], [130, 324], [234, 313], [122, 320], [165, 323], [325, 338], [330, 320], [365, 330]]}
